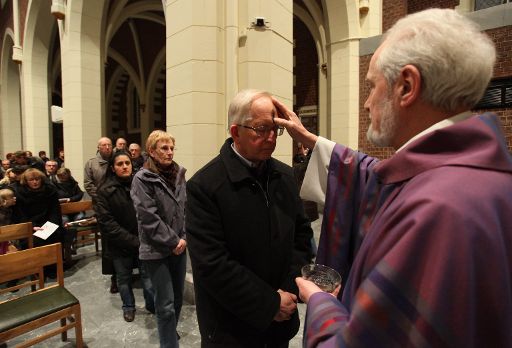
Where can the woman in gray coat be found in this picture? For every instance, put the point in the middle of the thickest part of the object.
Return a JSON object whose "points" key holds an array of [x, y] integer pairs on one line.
{"points": [[158, 193]]}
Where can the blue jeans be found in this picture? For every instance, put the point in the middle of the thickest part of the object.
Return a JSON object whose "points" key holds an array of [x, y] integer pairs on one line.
{"points": [[124, 271], [167, 278]]}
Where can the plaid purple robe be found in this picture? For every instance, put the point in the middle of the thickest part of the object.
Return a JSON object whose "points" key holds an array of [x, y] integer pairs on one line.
{"points": [[423, 241]]}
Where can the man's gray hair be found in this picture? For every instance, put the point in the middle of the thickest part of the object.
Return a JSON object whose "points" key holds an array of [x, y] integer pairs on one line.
{"points": [[454, 58], [240, 106]]}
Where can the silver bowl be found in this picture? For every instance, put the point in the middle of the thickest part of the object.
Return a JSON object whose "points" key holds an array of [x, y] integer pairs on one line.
{"points": [[324, 277]]}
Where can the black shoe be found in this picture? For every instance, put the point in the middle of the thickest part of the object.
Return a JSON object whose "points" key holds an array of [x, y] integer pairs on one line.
{"points": [[113, 288], [129, 315]]}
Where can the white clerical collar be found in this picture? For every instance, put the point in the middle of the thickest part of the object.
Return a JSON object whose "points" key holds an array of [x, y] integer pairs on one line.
{"points": [[441, 124], [244, 160]]}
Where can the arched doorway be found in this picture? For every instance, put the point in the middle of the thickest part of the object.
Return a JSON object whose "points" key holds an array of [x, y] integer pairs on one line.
{"points": [[135, 70], [305, 71]]}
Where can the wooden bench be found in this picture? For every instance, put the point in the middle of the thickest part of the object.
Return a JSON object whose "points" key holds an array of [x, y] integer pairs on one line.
{"points": [[46, 305], [13, 232], [85, 234]]}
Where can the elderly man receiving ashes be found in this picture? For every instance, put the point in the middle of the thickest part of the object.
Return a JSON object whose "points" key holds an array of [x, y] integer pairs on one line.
{"points": [[248, 235], [423, 239]]}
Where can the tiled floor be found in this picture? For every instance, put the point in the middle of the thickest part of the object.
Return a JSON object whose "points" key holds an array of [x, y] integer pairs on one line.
{"points": [[103, 325]]}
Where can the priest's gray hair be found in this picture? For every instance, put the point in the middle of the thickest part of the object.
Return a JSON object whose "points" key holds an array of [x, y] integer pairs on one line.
{"points": [[454, 58]]}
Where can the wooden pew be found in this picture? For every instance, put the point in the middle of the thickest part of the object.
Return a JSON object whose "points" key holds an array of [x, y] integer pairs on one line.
{"points": [[85, 234], [18, 232], [48, 304]]}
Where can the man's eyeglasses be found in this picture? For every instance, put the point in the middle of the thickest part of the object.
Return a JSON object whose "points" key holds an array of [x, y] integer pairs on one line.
{"points": [[264, 131]]}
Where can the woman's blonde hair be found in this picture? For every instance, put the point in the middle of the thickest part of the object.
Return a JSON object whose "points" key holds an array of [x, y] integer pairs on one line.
{"points": [[31, 173], [151, 142], [155, 137], [5, 194], [63, 173], [6, 180]]}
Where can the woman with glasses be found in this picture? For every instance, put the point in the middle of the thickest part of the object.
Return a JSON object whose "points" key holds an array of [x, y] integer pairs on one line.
{"points": [[158, 193]]}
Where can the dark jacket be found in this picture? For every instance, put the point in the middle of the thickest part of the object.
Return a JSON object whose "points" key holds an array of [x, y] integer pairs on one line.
{"points": [[246, 240], [116, 216], [69, 189], [39, 207], [137, 163], [160, 213]]}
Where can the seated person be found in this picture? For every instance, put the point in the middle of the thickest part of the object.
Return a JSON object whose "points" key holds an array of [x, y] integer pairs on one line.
{"points": [[68, 191], [7, 200], [8, 177], [14, 178], [37, 202]]}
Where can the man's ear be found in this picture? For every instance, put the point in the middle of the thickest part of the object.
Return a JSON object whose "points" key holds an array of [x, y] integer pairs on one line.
{"points": [[233, 130], [409, 85]]}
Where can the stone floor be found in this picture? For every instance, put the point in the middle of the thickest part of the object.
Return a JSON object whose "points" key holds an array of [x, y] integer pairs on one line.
{"points": [[103, 325]]}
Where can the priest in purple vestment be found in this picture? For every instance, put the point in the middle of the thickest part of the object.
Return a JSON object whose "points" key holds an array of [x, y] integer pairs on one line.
{"points": [[423, 239]]}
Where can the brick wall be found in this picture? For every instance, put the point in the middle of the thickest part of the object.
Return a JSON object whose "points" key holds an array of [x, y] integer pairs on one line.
{"points": [[395, 9], [392, 10], [5, 22], [420, 5], [502, 38], [23, 8], [6, 19], [364, 117]]}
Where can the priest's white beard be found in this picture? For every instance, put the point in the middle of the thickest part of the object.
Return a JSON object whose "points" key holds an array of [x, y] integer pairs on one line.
{"points": [[388, 125]]}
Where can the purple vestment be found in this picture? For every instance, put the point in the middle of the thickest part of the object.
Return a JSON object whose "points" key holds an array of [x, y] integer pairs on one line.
{"points": [[423, 241]]}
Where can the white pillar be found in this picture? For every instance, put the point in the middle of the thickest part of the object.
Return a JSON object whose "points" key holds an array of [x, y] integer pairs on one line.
{"points": [[82, 87], [195, 79], [10, 105], [344, 33], [266, 55], [344, 94], [213, 53], [36, 95]]}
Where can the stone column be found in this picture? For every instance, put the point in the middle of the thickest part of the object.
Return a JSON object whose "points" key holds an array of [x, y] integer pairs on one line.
{"points": [[82, 85], [266, 54], [36, 121], [213, 53], [195, 79], [344, 94], [344, 33]]}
